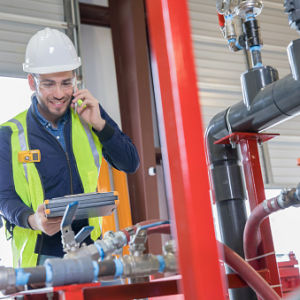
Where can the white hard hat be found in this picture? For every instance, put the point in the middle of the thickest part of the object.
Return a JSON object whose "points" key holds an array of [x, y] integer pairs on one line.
{"points": [[50, 51]]}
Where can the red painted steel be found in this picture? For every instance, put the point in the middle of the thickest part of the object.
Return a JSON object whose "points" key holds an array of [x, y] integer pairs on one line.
{"points": [[130, 291], [289, 274], [237, 136], [235, 281], [183, 148], [93, 291], [74, 291], [256, 194]]}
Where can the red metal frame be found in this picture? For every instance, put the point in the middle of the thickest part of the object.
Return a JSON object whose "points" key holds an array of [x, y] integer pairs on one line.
{"points": [[289, 274], [74, 291], [183, 148], [93, 291], [256, 193]]}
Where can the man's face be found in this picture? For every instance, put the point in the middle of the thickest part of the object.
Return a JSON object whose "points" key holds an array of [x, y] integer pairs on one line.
{"points": [[54, 93]]}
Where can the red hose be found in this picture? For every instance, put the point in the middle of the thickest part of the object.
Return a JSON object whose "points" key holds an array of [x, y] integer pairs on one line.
{"points": [[148, 222], [253, 279], [162, 229], [221, 20], [251, 232], [165, 228]]}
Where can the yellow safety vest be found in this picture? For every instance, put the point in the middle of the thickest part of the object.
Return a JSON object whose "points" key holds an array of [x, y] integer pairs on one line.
{"points": [[87, 151]]}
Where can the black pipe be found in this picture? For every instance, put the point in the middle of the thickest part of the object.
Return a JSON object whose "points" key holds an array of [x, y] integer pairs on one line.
{"points": [[275, 103], [232, 218], [107, 268], [37, 274]]}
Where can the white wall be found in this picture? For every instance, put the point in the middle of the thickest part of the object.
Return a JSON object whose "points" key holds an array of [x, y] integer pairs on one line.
{"points": [[15, 97], [98, 66]]}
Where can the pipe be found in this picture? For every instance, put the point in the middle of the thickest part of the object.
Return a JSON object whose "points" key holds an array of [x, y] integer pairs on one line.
{"points": [[61, 271], [277, 102], [251, 238], [252, 278], [251, 232], [162, 229], [81, 266]]}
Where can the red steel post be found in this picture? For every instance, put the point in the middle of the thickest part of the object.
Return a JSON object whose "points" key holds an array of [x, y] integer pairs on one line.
{"points": [[183, 148], [256, 194]]}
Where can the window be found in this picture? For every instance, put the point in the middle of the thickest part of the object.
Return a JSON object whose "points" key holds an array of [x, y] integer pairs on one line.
{"points": [[15, 98]]}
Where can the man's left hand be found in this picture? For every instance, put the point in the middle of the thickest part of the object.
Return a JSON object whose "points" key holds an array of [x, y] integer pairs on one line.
{"points": [[89, 109]]}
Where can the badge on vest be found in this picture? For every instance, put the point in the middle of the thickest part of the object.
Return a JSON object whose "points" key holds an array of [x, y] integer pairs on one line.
{"points": [[29, 156]]}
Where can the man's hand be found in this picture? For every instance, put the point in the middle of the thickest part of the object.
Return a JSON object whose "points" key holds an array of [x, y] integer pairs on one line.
{"points": [[38, 221], [89, 109]]}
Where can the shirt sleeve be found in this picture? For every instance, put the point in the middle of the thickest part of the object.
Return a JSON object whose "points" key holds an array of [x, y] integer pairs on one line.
{"points": [[13, 209], [118, 149]]}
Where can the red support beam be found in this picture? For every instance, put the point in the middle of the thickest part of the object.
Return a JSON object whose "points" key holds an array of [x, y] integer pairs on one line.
{"points": [[183, 148], [92, 291], [256, 194]]}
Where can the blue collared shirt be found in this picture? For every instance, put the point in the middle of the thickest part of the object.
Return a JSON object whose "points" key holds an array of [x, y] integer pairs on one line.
{"points": [[58, 132]]}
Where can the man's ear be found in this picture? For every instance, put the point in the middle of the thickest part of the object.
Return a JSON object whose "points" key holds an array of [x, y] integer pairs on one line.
{"points": [[31, 82]]}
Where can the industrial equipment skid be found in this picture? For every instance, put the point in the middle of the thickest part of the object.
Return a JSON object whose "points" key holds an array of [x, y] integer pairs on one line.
{"points": [[89, 205]]}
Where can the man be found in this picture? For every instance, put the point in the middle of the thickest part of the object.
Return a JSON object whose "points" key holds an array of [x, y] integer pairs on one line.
{"points": [[71, 143]]}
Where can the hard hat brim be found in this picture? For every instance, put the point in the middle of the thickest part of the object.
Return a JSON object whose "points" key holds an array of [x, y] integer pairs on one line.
{"points": [[51, 69]]}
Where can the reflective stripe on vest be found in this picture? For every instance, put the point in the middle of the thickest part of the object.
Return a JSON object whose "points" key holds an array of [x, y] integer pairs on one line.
{"points": [[88, 154]]}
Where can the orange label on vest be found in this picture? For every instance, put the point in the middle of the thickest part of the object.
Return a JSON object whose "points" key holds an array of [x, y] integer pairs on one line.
{"points": [[29, 156]]}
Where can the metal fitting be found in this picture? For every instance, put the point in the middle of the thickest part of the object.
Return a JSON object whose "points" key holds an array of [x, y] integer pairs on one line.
{"points": [[137, 244], [226, 6], [68, 240], [140, 266], [169, 247], [289, 197], [111, 243], [148, 264], [248, 6], [230, 32], [292, 8], [170, 263]]}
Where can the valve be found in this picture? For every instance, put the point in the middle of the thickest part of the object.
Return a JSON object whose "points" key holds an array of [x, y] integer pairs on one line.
{"points": [[71, 242]]}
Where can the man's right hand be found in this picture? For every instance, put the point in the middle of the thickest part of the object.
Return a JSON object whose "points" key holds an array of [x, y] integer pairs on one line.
{"points": [[38, 221]]}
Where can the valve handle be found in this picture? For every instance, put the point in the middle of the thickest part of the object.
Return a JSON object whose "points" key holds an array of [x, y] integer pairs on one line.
{"points": [[69, 214], [83, 234]]}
